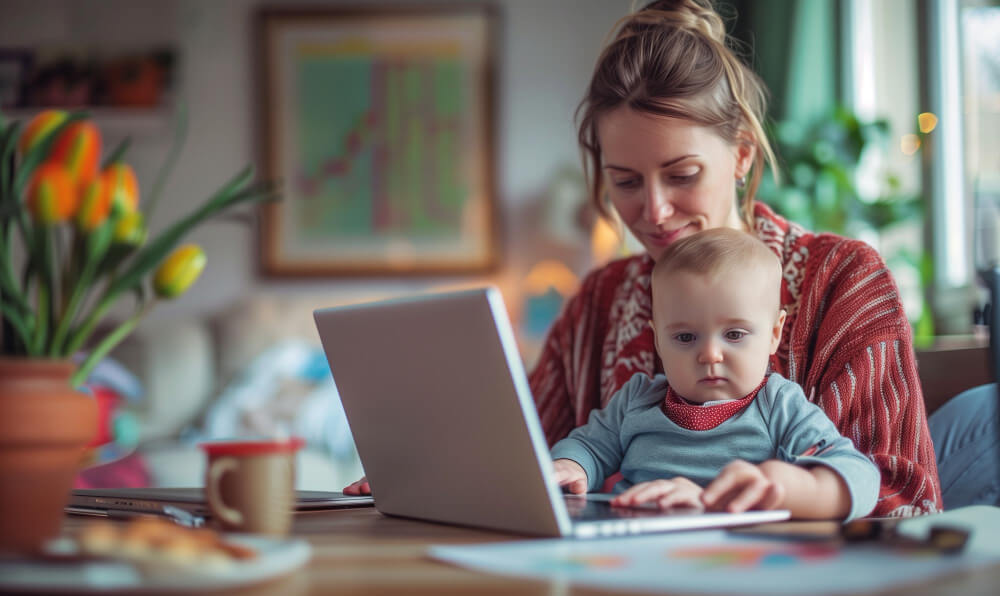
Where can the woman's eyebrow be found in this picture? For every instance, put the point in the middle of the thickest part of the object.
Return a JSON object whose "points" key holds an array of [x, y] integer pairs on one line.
{"points": [[665, 164]]}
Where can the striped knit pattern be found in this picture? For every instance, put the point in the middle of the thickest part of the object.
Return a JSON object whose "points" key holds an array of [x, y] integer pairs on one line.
{"points": [[846, 340]]}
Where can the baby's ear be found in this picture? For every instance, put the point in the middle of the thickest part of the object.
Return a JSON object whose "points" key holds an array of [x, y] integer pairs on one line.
{"points": [[779, 323]]}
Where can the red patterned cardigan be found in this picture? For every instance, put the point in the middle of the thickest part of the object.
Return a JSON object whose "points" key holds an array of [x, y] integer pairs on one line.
{"points": [[846, 340]]}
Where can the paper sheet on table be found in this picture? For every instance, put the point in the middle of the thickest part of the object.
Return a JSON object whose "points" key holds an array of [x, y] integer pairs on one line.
{"points": [[716, 562]]}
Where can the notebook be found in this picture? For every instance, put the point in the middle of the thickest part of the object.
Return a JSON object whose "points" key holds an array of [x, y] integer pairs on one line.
{"points": [[439, 406]]}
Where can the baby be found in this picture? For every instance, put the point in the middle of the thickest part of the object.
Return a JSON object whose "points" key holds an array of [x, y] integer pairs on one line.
{"points": [[717, 429]]}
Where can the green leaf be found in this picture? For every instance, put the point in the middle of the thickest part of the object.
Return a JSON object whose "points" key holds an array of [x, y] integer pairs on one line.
{"points": [[180, 135], [41, 330], [46, 289], [926, 270], [8, 144], [923, 332], [17, 321], [118, 152], [8, 282], [97, 243], [105, 346]]}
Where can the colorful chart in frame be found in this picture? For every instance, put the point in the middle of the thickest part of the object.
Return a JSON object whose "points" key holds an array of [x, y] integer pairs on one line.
{"points": [[379, 128], [381, 134]]}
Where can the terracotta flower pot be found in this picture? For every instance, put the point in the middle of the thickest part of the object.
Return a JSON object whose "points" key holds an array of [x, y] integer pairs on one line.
{"points": [[44, 427]]}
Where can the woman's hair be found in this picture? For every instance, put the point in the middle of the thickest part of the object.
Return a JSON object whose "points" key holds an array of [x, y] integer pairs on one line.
{"points": [[671, 58]]}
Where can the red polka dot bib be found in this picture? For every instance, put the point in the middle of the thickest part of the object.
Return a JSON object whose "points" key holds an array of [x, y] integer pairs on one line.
{"points": [[699, 417]]}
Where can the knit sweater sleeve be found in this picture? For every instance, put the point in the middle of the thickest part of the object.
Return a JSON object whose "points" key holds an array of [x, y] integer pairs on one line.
{"points": [[853, 333]]}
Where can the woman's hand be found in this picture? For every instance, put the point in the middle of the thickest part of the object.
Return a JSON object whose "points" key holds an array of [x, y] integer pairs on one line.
{"points": [[358, 487], [664, 493], [571, 475], [742, 486]]}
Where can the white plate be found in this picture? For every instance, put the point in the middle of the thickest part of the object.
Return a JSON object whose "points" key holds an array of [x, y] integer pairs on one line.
{"points": [[274, 558]]}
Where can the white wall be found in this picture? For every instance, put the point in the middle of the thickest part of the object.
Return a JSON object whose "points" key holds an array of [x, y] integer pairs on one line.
{"points": [[547, 49]]}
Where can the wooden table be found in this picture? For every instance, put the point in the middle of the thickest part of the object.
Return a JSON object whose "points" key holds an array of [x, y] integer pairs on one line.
{"points": [[360, 551]]}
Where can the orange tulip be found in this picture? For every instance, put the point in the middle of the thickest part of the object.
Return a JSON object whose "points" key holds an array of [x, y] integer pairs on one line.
{"points": [[39, 128], [122, 186], [52, 194], [95, 205], [78, 147]]}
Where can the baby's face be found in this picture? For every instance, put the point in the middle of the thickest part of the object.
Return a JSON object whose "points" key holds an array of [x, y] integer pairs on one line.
{"points": [[714, 335]]}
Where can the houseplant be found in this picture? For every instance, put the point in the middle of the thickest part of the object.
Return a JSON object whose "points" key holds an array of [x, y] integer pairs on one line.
{"points": [[73, 243], [821, 160]]}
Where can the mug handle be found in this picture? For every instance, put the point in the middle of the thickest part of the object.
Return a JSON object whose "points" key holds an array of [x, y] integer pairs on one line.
{"points": [[215, 472]]}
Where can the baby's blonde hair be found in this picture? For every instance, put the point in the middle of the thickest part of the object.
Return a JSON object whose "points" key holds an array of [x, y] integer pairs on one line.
{"points": [[717, 251]]}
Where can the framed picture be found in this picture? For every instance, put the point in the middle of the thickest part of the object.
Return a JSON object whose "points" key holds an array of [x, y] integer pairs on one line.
{"points": [[379, 126]]}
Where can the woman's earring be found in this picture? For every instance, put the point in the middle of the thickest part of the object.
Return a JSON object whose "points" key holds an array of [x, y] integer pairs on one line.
{"points": [[741, 182]]}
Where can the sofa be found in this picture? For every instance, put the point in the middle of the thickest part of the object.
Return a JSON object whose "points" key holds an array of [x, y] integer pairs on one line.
{"points": [[254, 370]]}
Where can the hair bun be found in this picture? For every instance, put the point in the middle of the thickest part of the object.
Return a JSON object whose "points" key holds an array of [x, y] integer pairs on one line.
{"points": [[697, 16]]}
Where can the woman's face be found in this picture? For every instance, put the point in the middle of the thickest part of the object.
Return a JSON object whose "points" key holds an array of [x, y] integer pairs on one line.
{"points": [[669, 178]]}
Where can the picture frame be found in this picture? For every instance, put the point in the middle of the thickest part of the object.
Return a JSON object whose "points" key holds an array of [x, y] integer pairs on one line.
{"points": [[378, 125]]}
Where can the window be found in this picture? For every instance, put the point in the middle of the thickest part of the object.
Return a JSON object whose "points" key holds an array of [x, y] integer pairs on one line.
{"points": [[963, 91]]}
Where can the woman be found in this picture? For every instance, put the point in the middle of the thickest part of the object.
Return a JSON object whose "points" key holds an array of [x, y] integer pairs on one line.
{"points": [[671, 130]]}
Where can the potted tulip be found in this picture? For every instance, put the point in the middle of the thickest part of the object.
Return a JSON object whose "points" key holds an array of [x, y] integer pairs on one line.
{"points": [[73, 243]]}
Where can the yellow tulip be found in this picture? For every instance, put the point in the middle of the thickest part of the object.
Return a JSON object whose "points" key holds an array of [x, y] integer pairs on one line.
{"points": [[179, 271], [122, 184], [130, 229]]}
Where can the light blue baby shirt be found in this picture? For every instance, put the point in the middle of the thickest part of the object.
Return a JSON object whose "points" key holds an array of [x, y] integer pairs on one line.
{"points": [[634, 435]]}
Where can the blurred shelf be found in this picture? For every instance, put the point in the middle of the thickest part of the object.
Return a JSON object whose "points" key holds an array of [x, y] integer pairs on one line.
{"points": [[114, 122], [953, 364], [958, 342]]}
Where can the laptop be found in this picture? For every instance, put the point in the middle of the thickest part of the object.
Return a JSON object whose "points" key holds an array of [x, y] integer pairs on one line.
{"points": [[439, 406]]}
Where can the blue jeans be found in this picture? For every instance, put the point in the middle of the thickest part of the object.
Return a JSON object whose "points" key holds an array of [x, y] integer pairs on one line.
{"points": [[966, 435]]}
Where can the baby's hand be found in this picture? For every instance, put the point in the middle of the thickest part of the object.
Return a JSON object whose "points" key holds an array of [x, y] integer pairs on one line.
{"points": [[570, 474], [664, 493], [741, 486]]}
